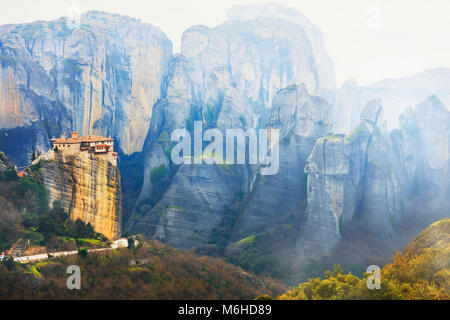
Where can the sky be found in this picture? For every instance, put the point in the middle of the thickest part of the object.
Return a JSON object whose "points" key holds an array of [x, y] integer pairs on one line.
{"points": [[367, 39]]}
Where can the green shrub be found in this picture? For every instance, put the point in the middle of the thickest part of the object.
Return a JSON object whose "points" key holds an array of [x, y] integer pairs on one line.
{"points": [[9, 175], [157, 173], [9, 263], [38, 189], [36, 168], [130, 243], [80, 230], [34, 236], [83, 252]]}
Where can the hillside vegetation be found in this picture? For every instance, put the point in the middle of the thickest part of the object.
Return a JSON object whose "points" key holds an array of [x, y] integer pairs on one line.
{"points": [[151, 271], [422, 271], [25, 213]]}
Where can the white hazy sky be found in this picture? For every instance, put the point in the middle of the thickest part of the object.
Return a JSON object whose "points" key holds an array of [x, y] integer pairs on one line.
{"points": [[367, 39]]}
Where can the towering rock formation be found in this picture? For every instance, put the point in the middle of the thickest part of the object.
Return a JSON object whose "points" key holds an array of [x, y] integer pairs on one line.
{"points": [[100, 77], [226, 77], [203, 197], [88, 188], [358, 176], [170, 113], [302, 119], [423, 141], [189, 201], [265, 48]]}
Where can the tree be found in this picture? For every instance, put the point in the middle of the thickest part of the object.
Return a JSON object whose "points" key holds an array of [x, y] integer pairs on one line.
{"points": [[83, 252], [9, 175], [130, 243], [9, 263], [81, 230]]}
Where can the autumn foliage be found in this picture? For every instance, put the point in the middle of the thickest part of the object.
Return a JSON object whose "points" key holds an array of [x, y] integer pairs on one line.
{"points": [[151, 271], [421, 272]]}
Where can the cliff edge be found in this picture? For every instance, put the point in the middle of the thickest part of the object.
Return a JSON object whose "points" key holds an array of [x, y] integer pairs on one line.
{"points": [[88, 188]]}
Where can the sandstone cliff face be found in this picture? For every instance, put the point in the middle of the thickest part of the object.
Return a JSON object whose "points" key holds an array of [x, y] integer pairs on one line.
{"points": [[183, 207], [170, 113], [196, 202], [29, 110], [263, 53], [101, 77], [302, 119], [199, 197], [88, 189]]}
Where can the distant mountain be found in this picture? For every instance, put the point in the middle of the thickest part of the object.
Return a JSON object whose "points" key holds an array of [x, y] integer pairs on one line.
{"points": [[264, 48], [396, 95]]}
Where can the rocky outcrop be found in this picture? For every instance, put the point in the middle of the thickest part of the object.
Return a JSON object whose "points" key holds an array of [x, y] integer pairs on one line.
{"points": [[201, 198], [88, 188], [327, 169], [184, 205], [100, 77], [302, 119], [197, 201], [264, 51], [4, 162], [423, 141], [226, 107], [324, 67], [170, 113], [29, 110], [355, 176], [226, 77]]}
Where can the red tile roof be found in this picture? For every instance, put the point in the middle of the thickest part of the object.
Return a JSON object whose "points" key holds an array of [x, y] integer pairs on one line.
{"points": [[72, 140]]}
